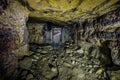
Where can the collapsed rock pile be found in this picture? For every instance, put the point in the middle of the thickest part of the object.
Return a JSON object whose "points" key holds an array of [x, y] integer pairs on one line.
{"points": [[83, 62]]}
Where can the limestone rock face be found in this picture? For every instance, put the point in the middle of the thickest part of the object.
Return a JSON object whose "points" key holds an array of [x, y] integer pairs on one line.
{"points": [[67, 10]]}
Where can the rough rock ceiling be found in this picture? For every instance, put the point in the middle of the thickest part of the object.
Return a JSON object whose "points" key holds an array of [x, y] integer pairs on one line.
{"points": [[68, 10]]}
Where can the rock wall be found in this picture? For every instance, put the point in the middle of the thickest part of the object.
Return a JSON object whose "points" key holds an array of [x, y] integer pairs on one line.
{"points": [[103, 31], [35, 32], [13, 37], [106, 25], [60, 11], [13, 31]]}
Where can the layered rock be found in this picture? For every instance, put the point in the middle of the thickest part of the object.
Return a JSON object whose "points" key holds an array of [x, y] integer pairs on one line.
{"points": [[60, 11]]}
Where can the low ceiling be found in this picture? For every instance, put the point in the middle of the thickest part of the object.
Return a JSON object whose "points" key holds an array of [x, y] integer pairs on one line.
{"points": [[68, 10]]}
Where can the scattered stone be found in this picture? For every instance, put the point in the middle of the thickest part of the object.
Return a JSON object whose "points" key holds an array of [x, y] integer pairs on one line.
{"points": [[36, 57], [80, 51], [114, 75], [24, 73], [69, 51], [44, 52], [29, 76], [83, 64], [100, 71], [26, 63]]}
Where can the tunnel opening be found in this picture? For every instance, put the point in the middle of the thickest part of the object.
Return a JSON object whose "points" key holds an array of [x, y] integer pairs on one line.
{"points": [[56, 35], [49, 34]]}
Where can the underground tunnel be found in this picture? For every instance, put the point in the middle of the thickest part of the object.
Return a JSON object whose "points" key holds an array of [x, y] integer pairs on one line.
{"points": [[49, 33], [59, 40]]}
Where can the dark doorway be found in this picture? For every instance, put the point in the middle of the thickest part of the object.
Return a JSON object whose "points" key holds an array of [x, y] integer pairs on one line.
{"points": [[56, 35]]}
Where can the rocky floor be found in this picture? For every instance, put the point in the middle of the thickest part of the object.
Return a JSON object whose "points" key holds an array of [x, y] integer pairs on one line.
{"points": [[83, 62]]}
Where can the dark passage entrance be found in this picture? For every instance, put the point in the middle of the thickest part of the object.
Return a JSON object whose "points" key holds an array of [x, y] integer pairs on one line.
{"points": [[56, 35]]}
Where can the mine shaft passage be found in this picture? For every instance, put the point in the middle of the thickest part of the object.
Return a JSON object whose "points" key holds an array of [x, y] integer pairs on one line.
{"points": [[56, 35]]}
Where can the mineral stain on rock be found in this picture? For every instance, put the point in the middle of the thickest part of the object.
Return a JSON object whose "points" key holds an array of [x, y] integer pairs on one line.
{"points": [[59, 39]]}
